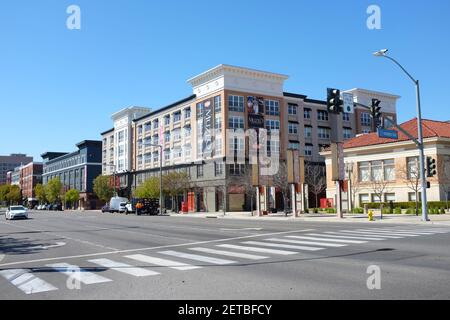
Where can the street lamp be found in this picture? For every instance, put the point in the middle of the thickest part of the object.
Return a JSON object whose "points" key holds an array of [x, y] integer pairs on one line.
{"points": [[383, 53], [160, 175]]}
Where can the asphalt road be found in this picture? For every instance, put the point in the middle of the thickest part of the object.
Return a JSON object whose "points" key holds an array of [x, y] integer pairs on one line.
{"points": [[89, 255]]}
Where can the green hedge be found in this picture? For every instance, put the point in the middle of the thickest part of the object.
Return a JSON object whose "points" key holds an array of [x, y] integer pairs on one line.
{"points": [[407, 205]]}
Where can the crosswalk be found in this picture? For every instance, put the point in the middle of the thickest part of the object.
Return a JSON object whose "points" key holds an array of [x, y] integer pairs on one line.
{"points": [[186, 258]]}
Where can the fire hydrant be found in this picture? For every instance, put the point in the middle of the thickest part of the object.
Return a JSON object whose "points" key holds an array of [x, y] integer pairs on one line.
{"points": [[370, 215]]}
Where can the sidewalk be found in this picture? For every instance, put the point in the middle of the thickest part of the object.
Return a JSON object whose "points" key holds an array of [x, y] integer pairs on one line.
{"points": [[443, 219]]}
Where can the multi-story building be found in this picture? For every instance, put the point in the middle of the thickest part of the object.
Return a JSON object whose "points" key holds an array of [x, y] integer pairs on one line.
{"points": [[385, 170], [9, 163], [198, 132], [8, 177], [30, 176], [15, 176], [76, 170]]}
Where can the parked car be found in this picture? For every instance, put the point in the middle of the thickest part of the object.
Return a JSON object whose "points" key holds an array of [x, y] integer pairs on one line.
{"points": [[123, 207], [14, 212], [116, 204], [56, 207], [105, 208], [48, 207]]}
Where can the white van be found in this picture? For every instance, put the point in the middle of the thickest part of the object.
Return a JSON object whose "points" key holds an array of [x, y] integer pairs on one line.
{"points": [[115, 204]]}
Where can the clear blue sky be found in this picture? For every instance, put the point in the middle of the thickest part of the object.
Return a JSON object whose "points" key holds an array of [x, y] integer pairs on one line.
{"points": [[60, 86]]}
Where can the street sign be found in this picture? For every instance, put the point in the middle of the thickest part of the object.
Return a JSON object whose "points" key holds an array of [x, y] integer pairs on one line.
{"points": [[388, 134], [349, 106]]}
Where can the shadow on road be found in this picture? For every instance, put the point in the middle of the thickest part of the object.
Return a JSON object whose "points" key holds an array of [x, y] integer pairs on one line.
{"points": [[13, 246]]}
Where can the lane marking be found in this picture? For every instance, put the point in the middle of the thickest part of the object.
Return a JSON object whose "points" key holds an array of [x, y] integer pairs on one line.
{"points": [[26, 281], [197, 257], [314, 243], [56, 245], [341, 235], [242, 229], [282, 246], [416, 234], [329, 240], [83, 276], [163, 262], [124, 268], [229, 253], [390, 233], [255, 249], [369, 234], [154, 248]]}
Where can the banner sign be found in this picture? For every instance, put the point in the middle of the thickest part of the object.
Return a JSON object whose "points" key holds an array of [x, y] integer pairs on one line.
{"points": [[255, 111], [207, 127]]}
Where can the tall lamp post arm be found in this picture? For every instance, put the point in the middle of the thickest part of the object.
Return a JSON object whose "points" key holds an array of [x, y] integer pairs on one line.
{"points": [[401, 67]]}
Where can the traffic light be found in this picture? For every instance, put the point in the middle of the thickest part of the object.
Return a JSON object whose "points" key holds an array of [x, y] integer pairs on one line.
{"points": [[431, 167], [375, 112], [334, 101]]}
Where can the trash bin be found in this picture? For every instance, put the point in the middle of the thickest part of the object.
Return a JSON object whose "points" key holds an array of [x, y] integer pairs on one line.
{"points": [[184, 207]]}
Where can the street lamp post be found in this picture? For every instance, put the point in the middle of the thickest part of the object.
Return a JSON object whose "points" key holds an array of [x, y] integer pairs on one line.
{"points": [[160, 176], [383, 53]]}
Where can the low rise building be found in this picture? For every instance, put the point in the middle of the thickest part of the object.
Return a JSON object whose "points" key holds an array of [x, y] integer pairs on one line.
{"points": [[30, 176], [385, 170], [9, 163]]}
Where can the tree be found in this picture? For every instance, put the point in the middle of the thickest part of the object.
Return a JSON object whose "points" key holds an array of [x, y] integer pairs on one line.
{"points": [[379, 187], [39, 191], [53, 190], [14, 195], [355, 183], [411, 176], [445, 177], [280, 181], [4, 190], [72, 196], [316, 180], [103, 188], [149, 189], [174, 184]]}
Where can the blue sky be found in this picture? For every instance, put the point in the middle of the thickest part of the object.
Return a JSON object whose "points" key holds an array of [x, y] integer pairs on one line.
{"points": [[60, 86]]}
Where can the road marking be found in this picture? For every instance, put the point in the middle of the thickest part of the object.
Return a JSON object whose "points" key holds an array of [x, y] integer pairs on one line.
{"points": [[26, 281], [56, 245], [389, 233], [154, 248], [394, 232], [330, 240], [83, 275], [418, 230], [242, 229], [197, 257], [335, 245], [254, 249], [341, 235], [283, 246], [229, 253], [369, 234], [163, 262], [124, 268]]}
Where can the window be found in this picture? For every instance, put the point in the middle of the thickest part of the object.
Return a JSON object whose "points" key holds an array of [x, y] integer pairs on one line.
{"points": [[308, 150], [346, 116], [139, 130], [364, 171], [236, 122], [322, 115], [167, 154], [217, 145], [347, 133], [236, 103], [379, 170], [167, 136], [308, 132], [187, 113], [376, 198], [155, 156], [272, 107], [199, 170], [293, 128], [155, 139], [366, 131], [187, 152], [292, 109], [176, 135], [177, 153], [155, 124], [236, 169], [121, 151], [218, 168], [187, 131], [167, 120], [323, 133], [366, 119], [413, 168], [363, 198], [217, 104], [139, 160], [294, 145], [388, 197], [148, 126], [236, 144], [272, 125], [412, 196], [218, 121], [121, 136], [177, 116], [389, 170], [273, 147], [147, 158]]}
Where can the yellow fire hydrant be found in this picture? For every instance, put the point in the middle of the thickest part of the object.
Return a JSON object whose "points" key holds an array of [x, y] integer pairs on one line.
{"points": [[370, 215]]}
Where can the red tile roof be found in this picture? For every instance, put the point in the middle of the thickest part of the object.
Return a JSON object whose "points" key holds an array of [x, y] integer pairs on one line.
{"points": [[431, 128]]}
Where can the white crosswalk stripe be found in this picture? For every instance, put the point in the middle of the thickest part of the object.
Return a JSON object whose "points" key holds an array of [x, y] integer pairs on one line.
{"points": [[282, 246], [341, 235], [328, 239], [197, 257], [389, 233], [398, 231], [256, 249], [313, 243], [162, 262], [370, 234], [124, 268], [230, 253], [78, 273], [26, 281]]}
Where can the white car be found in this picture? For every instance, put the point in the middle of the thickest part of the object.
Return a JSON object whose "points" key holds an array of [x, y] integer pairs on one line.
{"points": [[14, 212]]}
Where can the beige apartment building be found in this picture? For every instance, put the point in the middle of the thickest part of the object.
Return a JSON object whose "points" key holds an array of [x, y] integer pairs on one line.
{"points": [[195, 137], [384, 170]]}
